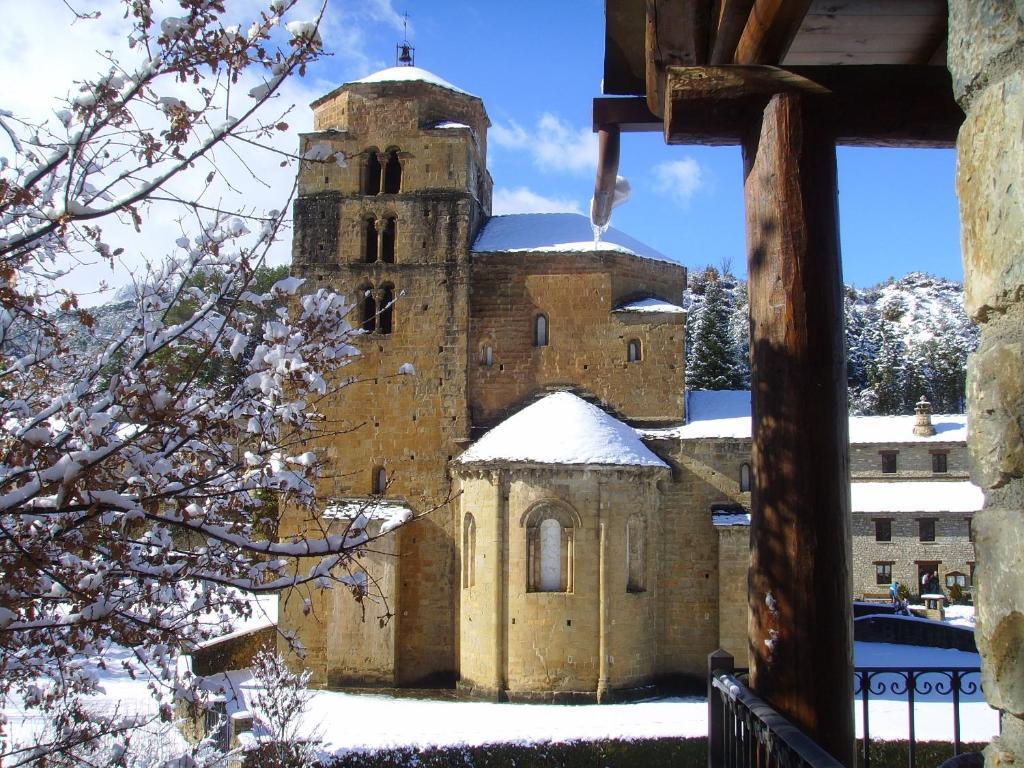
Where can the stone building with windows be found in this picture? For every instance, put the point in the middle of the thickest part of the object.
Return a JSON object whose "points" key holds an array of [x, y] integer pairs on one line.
{"points": [[578, 524]]}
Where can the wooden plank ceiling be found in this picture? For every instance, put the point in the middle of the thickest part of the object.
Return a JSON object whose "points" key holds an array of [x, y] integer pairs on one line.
{"points": [[644, 37]]}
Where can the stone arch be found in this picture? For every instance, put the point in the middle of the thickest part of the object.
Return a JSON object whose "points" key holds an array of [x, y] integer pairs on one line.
{"points": [[386, 318], [745, 477], [388, 238], [550, 546], [540, 330], [371, 243]]}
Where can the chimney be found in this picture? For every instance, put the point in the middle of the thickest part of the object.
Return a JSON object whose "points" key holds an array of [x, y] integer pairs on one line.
{"points": [[923, 418]]}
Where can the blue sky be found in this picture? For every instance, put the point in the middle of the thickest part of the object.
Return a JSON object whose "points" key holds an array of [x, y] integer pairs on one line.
{"points": [[537, 65]]}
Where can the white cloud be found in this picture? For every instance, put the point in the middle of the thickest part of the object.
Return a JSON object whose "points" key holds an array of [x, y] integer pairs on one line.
{"points": [[525, 200], [553, 143], [680, 179]]}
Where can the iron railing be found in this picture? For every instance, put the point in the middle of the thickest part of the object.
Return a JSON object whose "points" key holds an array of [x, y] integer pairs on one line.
{"points": [[952, 682], [745, 732]]}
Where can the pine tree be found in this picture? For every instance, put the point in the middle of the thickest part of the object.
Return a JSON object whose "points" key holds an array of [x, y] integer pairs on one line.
{"points": [[712, 360], [887, 373]]}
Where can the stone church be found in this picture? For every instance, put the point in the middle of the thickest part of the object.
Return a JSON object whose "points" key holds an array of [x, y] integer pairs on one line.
{"points": [[578, 524]]}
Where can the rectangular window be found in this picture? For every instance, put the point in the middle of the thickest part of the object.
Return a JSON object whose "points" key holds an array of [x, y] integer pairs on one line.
{"points": [[888, 462], [883, 529], [926, 529], [883, 573], [939, 463], [970, 528]]}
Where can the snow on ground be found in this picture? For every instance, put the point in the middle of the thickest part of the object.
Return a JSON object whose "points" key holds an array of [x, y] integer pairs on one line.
{"points": [[562, 429], [555, 232], [960, 615]]}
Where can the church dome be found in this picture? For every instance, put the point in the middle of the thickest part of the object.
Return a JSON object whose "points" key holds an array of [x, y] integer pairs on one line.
{"points": [[410, 75], [562, 429]]}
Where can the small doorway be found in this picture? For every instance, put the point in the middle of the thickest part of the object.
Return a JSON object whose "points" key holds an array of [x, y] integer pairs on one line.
{"points": [[928, 577]]}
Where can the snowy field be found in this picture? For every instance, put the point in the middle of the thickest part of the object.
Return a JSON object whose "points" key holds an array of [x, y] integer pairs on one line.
{"points": [[355, 722]]}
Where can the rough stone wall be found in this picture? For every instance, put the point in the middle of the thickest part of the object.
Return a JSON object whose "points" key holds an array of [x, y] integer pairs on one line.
{"points": [[952, 549], [986, 59], [587, 342], [233, 653], [409, 425], [705, 472], [733, 563], [913, 461]]}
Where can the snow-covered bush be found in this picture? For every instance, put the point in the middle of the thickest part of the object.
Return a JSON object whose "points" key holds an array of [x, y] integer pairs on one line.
{"points": [[280, 698], [133, 502]]}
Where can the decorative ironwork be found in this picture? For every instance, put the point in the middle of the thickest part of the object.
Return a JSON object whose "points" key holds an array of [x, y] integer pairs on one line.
{"points": [[910, 682], [745, 731]]}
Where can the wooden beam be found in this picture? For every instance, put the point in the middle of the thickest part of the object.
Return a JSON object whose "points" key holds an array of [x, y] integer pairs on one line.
{"points": [[624, 58], [799, 584], [909, 106], [728, 19], [769, 31], [629, 113], [676, 35]]}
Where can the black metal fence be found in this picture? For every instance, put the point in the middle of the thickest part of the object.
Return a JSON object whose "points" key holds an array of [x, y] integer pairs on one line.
{"points": [[745, 732]]}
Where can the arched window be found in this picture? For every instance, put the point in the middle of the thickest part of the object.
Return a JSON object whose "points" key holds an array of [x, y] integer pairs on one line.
{"points": [[468, 551], [744, 477], [371, 173], [387, 308], [387, 240], [392, 173], [540, 331], [368, 311], [370, 241], [550, 556], [550, 538], [380, 480], [487, 356], [636, 553], [633, 351]]}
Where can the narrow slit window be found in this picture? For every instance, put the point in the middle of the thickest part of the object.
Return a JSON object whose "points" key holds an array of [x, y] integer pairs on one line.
{"points": [[540, 331], [370, 236], [468, 551], [369, 311], [633, 352], [744, 478], [380, 480], [371, 174], [387, 310], [636, 553], [393, 173], [487, 356], [387, 240]]}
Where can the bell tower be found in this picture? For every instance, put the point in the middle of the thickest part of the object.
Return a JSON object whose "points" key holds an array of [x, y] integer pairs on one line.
{"points": [[390, 226]]}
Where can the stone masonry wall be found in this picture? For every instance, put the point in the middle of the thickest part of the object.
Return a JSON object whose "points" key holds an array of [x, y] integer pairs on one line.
{"points": [[705, 473], [587, 342], [952, 549], [913, 461], [733, 563], [986, 59]]}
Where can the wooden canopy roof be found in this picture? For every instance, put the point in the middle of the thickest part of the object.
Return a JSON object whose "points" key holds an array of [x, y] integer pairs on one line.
{"points": [[689, 60]]}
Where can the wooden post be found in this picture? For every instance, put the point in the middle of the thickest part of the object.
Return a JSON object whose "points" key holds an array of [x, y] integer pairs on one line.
{"points": [[799, 584]]}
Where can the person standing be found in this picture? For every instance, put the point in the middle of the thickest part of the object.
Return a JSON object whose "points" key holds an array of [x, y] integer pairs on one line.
{"points": [[894, 592]]}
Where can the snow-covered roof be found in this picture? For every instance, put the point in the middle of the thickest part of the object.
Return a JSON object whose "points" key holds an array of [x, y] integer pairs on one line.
{"points": [[917, 496], [650, 305], [726, 413], [410, 74], [555, 233], [730, 519], [562, 429]]}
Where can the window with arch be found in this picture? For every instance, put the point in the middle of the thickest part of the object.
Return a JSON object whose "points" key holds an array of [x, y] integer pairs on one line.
{"points": [[487, 356], [636, 553], [368, 309], [744, 477], [385, 323], [392, 173], [550, 541], [379, 480], [540, 331], [468, 551], [370, 241], [371, 173], [633, 352], [388, 235]]}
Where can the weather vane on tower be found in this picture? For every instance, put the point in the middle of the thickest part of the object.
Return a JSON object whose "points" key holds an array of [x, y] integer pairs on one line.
{"points": [[405, 54]]}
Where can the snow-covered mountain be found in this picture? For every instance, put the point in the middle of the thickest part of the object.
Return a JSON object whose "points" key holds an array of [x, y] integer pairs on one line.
{"points": [[905, 338]]}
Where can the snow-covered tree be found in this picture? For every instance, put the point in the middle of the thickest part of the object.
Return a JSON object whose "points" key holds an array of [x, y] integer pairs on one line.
{"points": [[712, 361], [133, 503]]}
